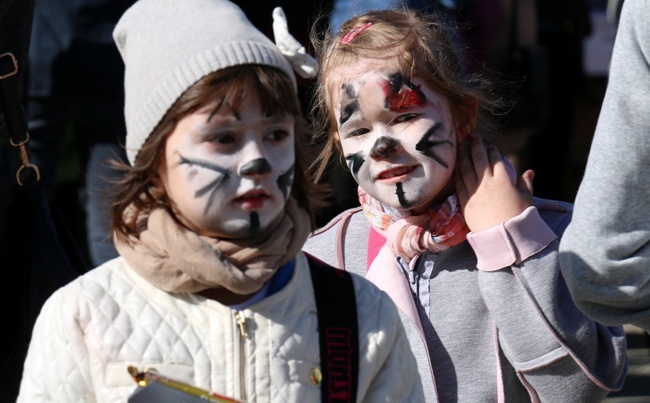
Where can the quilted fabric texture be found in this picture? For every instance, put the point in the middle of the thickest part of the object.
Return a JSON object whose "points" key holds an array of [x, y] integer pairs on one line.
{"points": [[91, 330]]}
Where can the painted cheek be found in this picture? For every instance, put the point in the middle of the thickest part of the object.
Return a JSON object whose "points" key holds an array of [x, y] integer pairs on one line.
{"points": [[433, 148], [213, 176], [355, 162], [285, 180], [283, 168]]}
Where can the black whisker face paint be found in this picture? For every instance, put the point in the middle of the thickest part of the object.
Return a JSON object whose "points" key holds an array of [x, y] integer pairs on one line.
{"points": [[285, 180], [211, 187], [349, 108], [399, 191], [255, 222], [427, 143], [354, 162]]}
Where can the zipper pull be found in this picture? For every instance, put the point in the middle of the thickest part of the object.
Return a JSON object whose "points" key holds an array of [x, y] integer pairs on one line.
{"points": [[241, 321], [414, 276]]}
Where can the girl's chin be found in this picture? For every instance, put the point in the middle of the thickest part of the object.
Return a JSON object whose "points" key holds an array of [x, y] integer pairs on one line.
{"points": [[418, 206], [235, 229]]}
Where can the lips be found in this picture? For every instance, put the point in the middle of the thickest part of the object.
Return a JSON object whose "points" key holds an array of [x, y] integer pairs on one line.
{"points": [[394, 174], [252, 200]]}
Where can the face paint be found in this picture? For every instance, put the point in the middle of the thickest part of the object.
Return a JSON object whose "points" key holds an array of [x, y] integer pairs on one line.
{"points": [[351, 104], [354, 162], [400, 143], [257, 166], [285, 181], [401, 94], [384, 147], [255, 222], [211, 187], [399, 191], [428, 142], [229, 175]]}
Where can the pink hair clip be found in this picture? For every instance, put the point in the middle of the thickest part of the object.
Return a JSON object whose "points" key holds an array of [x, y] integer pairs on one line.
{"points": [[349, 37]]}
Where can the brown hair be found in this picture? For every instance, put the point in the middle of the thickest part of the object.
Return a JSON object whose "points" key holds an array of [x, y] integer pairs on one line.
{"points": [[422, 45], [135, 193]]}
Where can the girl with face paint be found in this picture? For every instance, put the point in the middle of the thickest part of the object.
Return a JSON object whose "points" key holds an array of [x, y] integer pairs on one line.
{"points": [[211, 287], [445, 228]]}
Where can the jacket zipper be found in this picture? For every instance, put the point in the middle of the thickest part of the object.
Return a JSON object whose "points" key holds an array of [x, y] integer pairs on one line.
{"points": [[241, 323]]}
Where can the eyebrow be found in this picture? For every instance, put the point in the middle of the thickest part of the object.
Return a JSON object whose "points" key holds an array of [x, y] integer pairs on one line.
{"points": [[278, 117], [271, 118]]}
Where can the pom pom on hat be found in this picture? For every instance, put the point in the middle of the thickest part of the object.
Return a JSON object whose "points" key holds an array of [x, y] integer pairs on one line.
{"points": [[168, 45]]}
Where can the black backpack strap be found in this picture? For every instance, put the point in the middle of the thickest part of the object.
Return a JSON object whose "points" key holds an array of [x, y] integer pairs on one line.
{"points": [[338, 331]]}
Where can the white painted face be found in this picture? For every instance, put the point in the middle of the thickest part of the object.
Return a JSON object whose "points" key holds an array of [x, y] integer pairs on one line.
{"points": [[397, 137], [229, 175]]}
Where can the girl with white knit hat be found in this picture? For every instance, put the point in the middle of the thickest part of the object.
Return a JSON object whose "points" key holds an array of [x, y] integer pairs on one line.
{"points": [[211, 289]]}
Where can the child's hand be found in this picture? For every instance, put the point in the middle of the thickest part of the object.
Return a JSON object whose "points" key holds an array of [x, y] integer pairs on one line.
{"points": [[485, 190]]}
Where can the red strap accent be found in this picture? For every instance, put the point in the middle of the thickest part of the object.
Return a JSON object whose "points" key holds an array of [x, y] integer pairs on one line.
{"points": [[375, 242], [338, 331]]}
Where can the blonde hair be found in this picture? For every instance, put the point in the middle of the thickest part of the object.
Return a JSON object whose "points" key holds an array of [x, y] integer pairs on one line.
{"points": [[421, 45]]}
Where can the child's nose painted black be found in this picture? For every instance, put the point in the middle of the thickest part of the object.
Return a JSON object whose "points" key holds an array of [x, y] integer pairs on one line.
{"points": [[255, 167], [384, 147]]}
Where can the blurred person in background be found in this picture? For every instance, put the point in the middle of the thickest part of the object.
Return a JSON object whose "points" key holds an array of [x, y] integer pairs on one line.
{"points": [[74, 105]]}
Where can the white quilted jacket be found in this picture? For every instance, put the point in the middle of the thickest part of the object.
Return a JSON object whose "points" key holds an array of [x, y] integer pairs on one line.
{"points": [[92, 329]]}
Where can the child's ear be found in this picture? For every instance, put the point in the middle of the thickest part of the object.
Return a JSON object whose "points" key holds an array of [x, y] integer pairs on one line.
{"points": [[467, 113]]}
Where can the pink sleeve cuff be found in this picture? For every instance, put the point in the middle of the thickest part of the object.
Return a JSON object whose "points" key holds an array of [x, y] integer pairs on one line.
{"points": [[511, 242]]}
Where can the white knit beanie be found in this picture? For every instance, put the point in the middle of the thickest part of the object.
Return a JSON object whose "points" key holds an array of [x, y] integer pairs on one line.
{"points": [[168, 45]]}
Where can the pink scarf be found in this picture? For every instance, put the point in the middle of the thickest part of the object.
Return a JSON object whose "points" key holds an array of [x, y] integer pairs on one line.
{"points": [[440, 228]]}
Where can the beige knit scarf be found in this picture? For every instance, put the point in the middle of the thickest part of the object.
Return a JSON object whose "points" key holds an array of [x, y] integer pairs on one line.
{"points": [[175, 259]]}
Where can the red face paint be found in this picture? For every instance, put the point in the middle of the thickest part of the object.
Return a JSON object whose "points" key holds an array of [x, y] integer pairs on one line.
{"points": [[402, 94]]}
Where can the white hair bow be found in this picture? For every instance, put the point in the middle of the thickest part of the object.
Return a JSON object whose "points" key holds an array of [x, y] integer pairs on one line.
{"points": [[301, 61]]}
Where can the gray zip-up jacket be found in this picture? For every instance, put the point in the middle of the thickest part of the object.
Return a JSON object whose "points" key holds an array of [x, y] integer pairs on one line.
{"points": [[605, 253], [507, 332]]}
